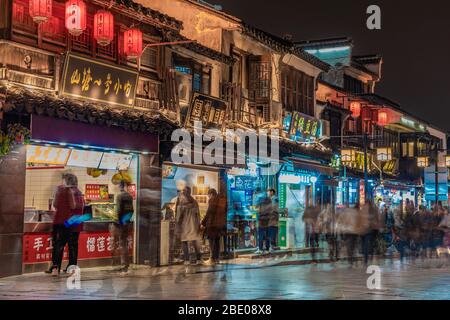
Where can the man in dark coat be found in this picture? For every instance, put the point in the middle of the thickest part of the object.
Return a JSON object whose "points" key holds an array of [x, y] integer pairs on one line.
{"points": [[214, 224]]}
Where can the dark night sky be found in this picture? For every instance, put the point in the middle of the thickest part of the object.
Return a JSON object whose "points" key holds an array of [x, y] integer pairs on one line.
{"points": [[414, 42]]}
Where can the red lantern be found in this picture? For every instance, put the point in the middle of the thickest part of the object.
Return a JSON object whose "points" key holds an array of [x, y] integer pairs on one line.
{"points": [[132, 44], [355, 108], [382, 118], [75, 17], [40, 10], [103, 27]]}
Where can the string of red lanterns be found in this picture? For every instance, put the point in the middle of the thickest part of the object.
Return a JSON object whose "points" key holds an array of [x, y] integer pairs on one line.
{"points": [[75, 21]]}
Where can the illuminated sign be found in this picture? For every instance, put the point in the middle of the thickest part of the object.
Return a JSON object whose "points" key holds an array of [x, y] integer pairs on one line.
{"points": [[304, 127], [293, 178], [47, 155], [210, 111], [84, 158], [412, 124], [115, 161], [97, 81]]}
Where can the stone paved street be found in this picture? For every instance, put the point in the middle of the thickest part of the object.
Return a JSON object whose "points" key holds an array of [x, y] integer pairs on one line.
{"points": [[260, 279]]}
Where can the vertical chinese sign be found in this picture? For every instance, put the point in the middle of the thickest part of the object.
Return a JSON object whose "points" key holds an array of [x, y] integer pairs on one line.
{"points": [[98, 81], [210, 111]]}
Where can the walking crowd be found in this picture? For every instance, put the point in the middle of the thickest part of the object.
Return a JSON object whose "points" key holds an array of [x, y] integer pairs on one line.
{"points": [[379, 229]]}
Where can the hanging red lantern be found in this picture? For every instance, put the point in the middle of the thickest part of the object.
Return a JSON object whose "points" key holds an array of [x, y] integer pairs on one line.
{"points": [[103, 27], [355, 108], [132, 45], [75, 17], [40, 10], [382, 118], [367, 114]]}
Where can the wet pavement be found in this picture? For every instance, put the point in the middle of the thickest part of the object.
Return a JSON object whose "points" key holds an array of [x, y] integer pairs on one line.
{"points": [[269, 278]]}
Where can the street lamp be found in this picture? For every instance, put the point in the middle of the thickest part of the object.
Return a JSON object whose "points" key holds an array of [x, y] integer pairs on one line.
{"points": [[384, 154], [348, 156], [423, 162], [447, 161]]}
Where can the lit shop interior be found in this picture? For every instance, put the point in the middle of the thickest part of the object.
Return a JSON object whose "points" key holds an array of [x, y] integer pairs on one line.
{"points": [[244, 187], [175, 178], [99, 173], [394, 196]]}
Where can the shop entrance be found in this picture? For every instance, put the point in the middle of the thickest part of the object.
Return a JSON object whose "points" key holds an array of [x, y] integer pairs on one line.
{"points": [[99, 172]]}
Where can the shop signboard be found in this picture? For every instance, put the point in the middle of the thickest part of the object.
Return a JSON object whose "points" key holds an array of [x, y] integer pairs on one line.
{"points": [[84, 158], [47, 155], [210, 111], [391, 167], [97, 81], [304, 127], [37, 247]]}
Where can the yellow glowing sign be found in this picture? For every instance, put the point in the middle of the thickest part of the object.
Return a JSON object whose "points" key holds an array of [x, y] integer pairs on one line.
{"points": [[47, 155]]}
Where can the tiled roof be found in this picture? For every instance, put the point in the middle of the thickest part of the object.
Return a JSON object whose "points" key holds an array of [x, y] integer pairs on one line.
{"points": [[325, 43], [368, 59], [282, 45], [159, 18], [22, 100], [200, 49]]}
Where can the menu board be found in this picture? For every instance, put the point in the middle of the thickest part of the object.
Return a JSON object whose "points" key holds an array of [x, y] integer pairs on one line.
{"points": [[85, 159], [47, 155], [115, 161], [96, 192]]}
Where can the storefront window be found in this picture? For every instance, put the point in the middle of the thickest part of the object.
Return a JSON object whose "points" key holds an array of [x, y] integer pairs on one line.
{"points": [[98, 173], [174, 179]]}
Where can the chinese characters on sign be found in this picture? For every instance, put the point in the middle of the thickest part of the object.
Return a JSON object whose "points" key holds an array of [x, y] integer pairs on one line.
{"points": [[304, 127], [210, 111], [85, 78], [37, 247]]}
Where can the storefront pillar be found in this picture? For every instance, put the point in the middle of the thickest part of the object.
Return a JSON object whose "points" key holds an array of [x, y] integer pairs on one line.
{"points": [[12, 199], [149, 210]]}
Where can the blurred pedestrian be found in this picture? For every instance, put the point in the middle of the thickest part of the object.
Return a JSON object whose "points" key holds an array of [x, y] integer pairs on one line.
{"points": [[214, 224], [120, 229], [188, 224], [68, 202], [274, 218], [264, 204], [310, 219]]}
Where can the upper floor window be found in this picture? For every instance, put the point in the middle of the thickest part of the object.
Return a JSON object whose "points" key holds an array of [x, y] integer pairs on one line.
{"points": [[354, 85], [297, 91], [259, 80]]}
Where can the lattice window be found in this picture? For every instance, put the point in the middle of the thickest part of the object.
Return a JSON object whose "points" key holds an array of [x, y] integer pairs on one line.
{"points": [[260, 73], [83, 42]]}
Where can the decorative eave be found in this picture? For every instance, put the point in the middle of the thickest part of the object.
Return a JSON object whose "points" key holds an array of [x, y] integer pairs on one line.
{"points": [[151, 16], [201, 49], [273, 42], [312, 59], [284, 46], [21, 100]]}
